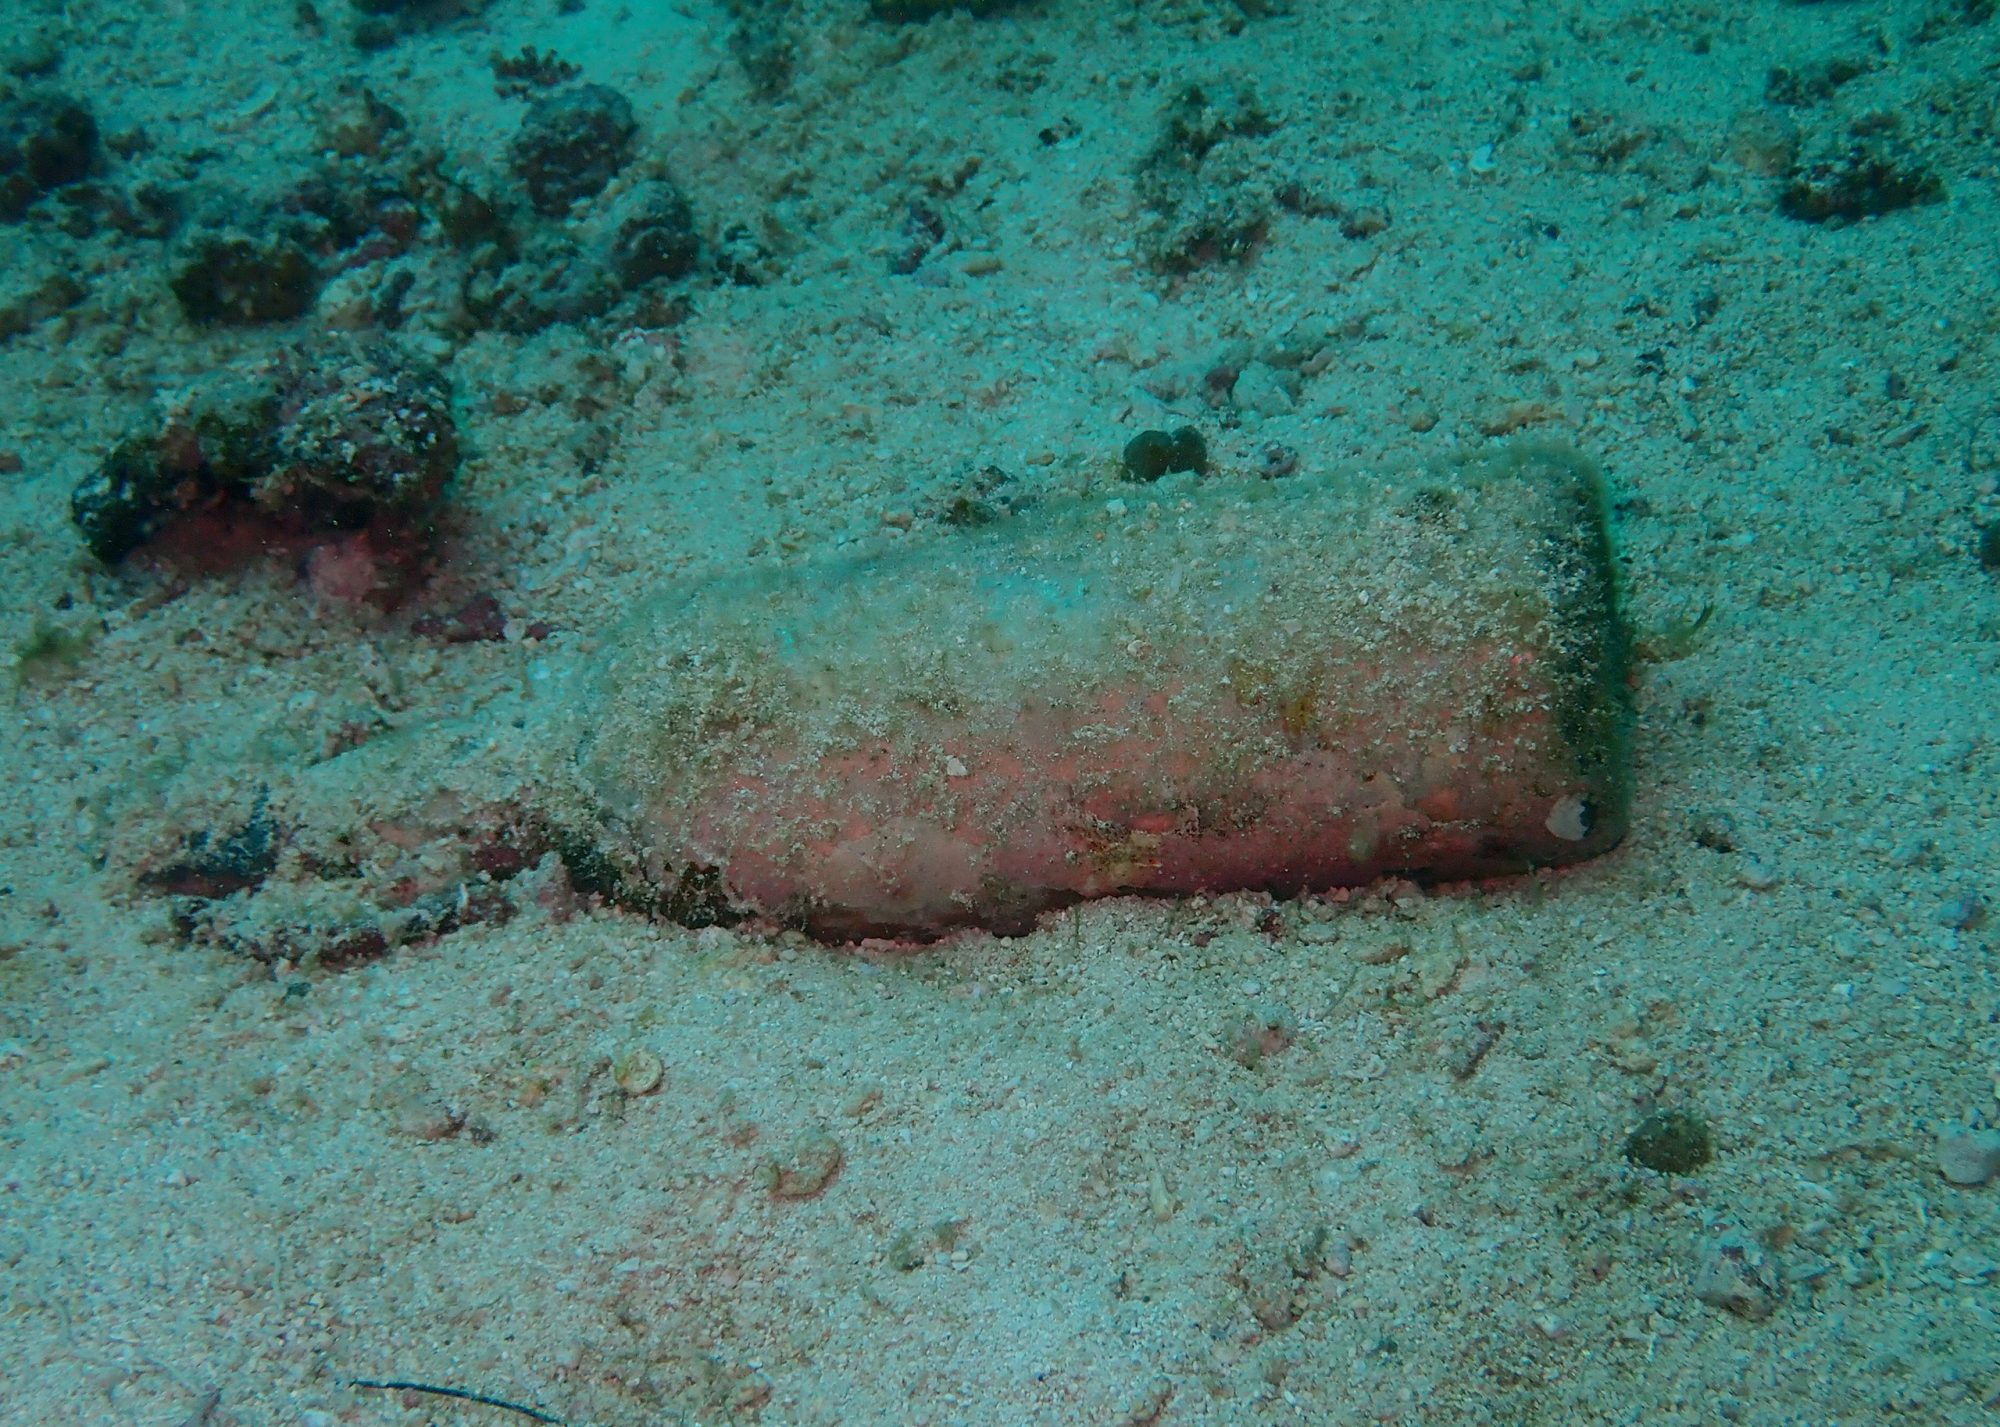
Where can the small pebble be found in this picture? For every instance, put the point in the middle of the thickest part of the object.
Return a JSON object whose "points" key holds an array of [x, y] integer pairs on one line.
{"points": [[1968, 1158], [1277, 460], [1262, 388]]}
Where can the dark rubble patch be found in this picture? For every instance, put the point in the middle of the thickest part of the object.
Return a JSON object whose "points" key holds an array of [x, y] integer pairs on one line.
{"points": [[1873, 177], [1203, 184], [915, 12], [241, 280], [47, 141], [211, 865]]}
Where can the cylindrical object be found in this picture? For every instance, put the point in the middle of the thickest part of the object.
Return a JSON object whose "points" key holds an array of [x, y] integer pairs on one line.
{"points": [[1205, 686]]}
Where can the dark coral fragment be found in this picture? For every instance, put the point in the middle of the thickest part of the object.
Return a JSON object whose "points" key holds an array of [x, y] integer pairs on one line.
{"points": [[571, 144], [653, 235], [46, 141]]}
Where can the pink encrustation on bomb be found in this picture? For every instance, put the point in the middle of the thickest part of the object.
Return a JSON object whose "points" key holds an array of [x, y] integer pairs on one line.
{"points": [[1202, 686]]}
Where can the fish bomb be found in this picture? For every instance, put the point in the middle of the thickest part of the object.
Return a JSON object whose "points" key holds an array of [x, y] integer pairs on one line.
{"points": [[1212, 687]]}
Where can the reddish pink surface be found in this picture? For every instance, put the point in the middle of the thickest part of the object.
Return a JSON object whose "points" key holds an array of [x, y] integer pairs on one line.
{"points": [[882, 841]]}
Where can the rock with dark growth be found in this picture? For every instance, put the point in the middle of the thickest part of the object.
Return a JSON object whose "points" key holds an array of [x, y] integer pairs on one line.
{"points": [[337, 439], [550, 280], [233, 279], [571, 144], [358, 438], [206, 455], [46, 141], [654, 235]]}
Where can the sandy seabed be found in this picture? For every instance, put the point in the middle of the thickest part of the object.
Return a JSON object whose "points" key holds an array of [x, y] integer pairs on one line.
{"points": [[1347, 1160]]}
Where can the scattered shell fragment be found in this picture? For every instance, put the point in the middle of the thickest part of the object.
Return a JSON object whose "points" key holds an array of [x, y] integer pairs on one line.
{"points": [[803, 1168], [638, 1071]]}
